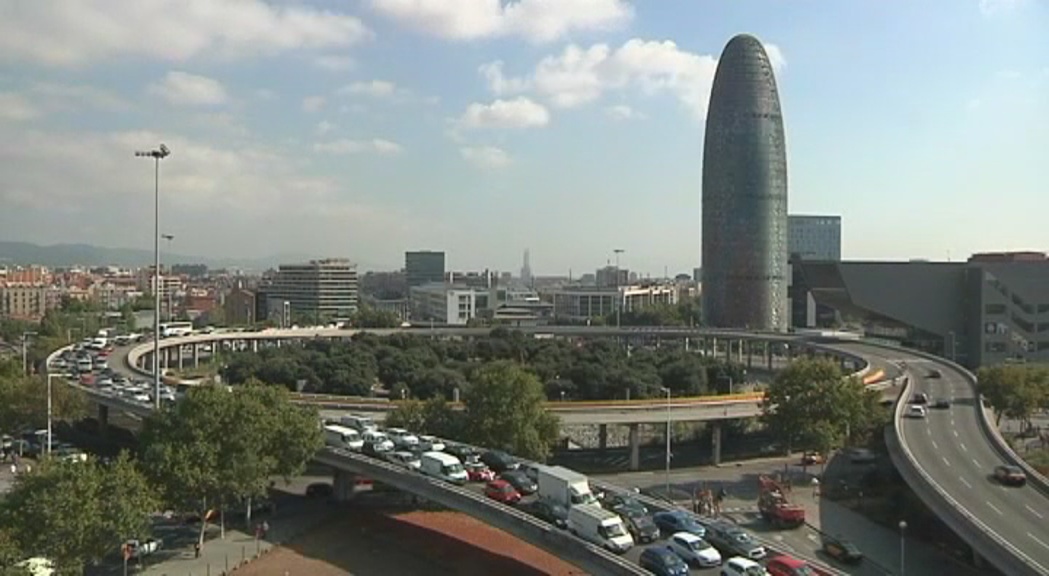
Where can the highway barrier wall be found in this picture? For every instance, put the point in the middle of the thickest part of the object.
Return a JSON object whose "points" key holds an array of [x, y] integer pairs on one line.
{"points": [[590, 558], [989, 545]]}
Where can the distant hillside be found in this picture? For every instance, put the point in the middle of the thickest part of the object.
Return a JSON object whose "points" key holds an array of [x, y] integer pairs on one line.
{"points": [[62, 255]]}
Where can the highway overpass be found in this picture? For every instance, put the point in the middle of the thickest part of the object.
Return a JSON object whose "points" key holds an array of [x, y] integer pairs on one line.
{"points": [[946, 459]]}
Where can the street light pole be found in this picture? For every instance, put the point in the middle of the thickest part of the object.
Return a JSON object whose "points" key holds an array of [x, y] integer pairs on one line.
{"points": [[50, 378], [619, 297], [667, 392], [157, 155], [903, 539], [25, 351]]}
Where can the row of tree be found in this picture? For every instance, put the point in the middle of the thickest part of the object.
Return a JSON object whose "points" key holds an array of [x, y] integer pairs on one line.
{"points": [[423, 368], [1015, 391]]}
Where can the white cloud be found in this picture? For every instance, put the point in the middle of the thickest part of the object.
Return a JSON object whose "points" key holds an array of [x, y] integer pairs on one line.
{"points": [[374, 88], [506, 114], [313, 104], [68, 97], [16, 108], [324, 127], [580, 75], [622, 112], [86, 31], [347, 147], [334, 63], [535, 20], [184, 89], [486, 156]]}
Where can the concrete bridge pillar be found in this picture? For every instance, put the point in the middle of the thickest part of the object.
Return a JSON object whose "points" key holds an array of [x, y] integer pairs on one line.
{"points": [[168, 355], [713, 349], [635, 446], [715, 440], [255, 346], [103, 420], [178, 356], [343, 485], [686, 343], [750, 355], [742, 350], [196, 356], [602, 436]]}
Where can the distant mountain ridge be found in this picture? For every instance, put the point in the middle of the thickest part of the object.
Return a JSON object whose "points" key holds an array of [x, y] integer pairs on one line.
{"points": [[64, 255]]}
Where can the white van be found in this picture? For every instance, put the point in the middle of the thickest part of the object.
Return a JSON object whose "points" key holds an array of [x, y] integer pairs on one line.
{"points": [[443, 466], [359, 422], [342, 437], [599, 526]]}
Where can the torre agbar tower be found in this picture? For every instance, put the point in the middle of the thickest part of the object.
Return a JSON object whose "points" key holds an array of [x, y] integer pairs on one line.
{"points": [[745, 273]]}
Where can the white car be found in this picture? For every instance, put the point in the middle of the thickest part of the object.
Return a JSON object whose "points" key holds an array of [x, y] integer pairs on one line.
{"points": [[431, 444], [406, 459], [694, 550], [402, 437], [381, 442], [917, 412], [740, 566]]}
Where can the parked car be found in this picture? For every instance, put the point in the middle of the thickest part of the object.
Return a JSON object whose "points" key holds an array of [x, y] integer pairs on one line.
{"points": [[1010, 475], [842, 550], [662, 562], [673, 521]]}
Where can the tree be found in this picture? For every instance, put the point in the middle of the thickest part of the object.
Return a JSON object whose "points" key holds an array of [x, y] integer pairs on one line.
{"points": [[23, 400], [504, 409], [76, 513], [127, 317], [434, 416], [409, 415], [812, 404], [368, 317], [1015, 390], [10, 556], [219, 446]]}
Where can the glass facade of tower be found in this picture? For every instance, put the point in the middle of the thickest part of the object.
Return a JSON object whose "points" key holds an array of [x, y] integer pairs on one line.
{"points": [[745, 274]]}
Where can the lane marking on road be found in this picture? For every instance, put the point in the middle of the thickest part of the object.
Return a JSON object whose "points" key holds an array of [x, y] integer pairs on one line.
{"points": [[995, 508], [1033, 511], [977, 464], [966, 482], [935, 446], [928, 431], [952, 424], [1038, 540], [946, 461], [962, 446], [955, 431]]}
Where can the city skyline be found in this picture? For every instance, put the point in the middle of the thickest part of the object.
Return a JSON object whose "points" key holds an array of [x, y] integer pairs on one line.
{"points": [[318, 130]]}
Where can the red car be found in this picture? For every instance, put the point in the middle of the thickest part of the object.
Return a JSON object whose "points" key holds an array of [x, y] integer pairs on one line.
{"points": [[502, 491], [477, 472], [789, 566]]}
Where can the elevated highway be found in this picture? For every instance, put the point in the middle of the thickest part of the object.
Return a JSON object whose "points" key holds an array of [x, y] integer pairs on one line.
{"points": [[946, 459]]}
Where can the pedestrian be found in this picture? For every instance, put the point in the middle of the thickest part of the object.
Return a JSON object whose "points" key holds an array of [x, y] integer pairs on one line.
{"points": [[196, 549], [265, 528]]}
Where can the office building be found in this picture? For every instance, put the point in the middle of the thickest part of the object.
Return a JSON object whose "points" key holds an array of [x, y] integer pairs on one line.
{"points": [[994, 308], [611, 277], [814, 237], [443, 304], [581, 304], [744, 200], [323, 289], [423, 267]]}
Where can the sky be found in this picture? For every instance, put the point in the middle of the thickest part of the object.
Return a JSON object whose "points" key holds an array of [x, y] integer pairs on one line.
{"points": [[364, 128]]}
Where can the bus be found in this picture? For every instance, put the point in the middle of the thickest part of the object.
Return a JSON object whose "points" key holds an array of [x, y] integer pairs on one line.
{"points": [[172, 329]]}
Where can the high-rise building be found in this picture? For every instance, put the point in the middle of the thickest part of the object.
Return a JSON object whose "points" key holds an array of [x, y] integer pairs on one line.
{"points": [[526, 269], [744, 248], [326, 289], [814, 237], [423, 267]]}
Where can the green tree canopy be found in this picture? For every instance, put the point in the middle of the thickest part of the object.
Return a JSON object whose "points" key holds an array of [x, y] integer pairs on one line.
{"points": [[812, 404], [504, 410], [368, 317], [218, 446], [76, 513], [23, 400], [1015, 390], [434, 416]]}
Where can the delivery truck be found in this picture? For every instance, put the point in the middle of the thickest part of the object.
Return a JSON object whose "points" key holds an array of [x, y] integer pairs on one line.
{"points": [[564, 487]]}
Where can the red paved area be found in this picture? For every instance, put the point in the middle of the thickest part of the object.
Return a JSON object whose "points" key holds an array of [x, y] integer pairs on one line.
{"points": [[372, 543]]}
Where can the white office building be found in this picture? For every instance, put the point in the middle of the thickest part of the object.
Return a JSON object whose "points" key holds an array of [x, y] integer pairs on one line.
{"points": [[582, 304], [443, 304]]}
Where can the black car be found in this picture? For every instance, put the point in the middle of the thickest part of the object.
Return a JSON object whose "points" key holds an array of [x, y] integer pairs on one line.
{"points": [[920, 398], [934, 374], [320, 490], [941, 404], [520, 481], [547, 512], [842, 550], [461, 451], [640, 526], [498, 461], [372, 449], [620, 503], [662, 562]]}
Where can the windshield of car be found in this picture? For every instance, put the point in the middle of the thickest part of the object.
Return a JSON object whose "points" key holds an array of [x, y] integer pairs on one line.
{"points": [[453, 468], [804, 570], [613, 531], [742, 538], [670, 559], [754, 571], [699, 545]]}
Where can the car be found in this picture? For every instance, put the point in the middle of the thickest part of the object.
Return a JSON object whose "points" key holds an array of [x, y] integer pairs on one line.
{"points": [[674, 521], [811, 458], [934, 374], [1010, 475], [502, 491], [842, 550], [940, 404], [499, 461], [431, 444], [917, 412], [739, 566], [920, 398], [640, 525], [520, 481], [694, 550], [402, 438], [622, 502], [530, 470], [320, 490], [461, 451], [662, 562], [547, 511], [730, 539], [404, 458], [788, 566], [375, 449], [477, 472]]}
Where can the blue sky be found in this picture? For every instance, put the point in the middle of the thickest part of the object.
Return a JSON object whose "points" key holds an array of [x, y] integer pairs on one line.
{"points": [[569, 127]]}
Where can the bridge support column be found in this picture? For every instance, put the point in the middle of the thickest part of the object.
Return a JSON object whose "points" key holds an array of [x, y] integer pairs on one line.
{"points": [[686, 343], [750, 355], [742, 344], [715, 441], [713, 349], [602, 436], [254, 346], [103, 420], [196, 356], [768, 355], [178, 356], [343, 485], [634, 439]]}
